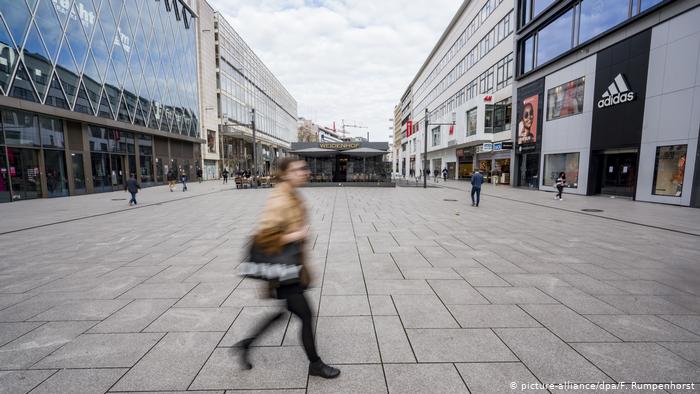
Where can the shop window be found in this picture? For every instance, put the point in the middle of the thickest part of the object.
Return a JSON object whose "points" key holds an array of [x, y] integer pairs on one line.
{"points": [[20, 128], [502, 115], [436, 136], [471, 122], [488, 119], [669, 170], [51, 132], [555, 38], [532, 8], [565, 99], [558, 163], [56, 178], [528, 51], [78, 172]]}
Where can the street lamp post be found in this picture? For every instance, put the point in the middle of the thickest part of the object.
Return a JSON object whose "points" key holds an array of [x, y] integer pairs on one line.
{"points": [[425, 145], [255, 149]]}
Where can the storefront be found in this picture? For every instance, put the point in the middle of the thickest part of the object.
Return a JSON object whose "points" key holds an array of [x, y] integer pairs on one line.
{"points": [[346, 162], [494, 161], [465, 162], [529, 116]]}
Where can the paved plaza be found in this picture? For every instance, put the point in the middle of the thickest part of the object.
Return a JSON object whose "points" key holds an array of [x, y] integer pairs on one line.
{"points": [[415, 291]]}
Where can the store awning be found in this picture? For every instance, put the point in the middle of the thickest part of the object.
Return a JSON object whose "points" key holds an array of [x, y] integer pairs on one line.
{"points": [[315, 152], [364, 152]]}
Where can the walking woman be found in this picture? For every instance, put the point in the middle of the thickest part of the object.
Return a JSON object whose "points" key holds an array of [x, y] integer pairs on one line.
{"points": [[284, 223], [561, 182]]}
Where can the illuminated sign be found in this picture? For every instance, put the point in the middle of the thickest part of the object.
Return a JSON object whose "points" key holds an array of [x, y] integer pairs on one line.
{"points": [[339, 146]]}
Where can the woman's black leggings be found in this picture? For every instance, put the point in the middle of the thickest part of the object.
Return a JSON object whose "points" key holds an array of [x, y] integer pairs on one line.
{"points": [[298, 305], [560, 189]]}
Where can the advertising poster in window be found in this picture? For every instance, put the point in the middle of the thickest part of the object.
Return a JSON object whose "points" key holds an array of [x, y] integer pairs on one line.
{"points": [[670, 170], [211, 141], [566, 99], [527, 124]]}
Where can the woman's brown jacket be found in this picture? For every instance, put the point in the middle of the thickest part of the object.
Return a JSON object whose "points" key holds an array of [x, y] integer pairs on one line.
{"points": [[284, 213]]}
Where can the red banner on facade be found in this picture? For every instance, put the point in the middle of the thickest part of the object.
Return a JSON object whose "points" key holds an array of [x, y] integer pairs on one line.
{"points": [[409, 128]]}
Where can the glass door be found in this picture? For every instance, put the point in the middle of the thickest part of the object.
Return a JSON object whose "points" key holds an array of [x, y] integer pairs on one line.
{"points": [[78, 172], [100, 172], [23, 166], [56, 178], [5, 195], [117, 171], [619, 174]]}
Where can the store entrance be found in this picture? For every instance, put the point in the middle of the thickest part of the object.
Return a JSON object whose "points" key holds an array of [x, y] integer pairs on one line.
{"points": [[107, 172], [341, 169], [619, 173], [529, 170]]}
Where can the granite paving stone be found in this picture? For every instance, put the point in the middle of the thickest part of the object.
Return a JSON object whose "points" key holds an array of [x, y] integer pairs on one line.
{"points": [[491, 316], [456, 292], [344, 306], [393, 343], [194, 319], [689, 322], [347, 340], [569, 325], [32, 347], [642, 328], [397, 287], [494, 378], [364, 378], [159, 290], [639, 362], [423, 378], [12, 331], [134, 317], [423, 311], [458, 345], [81, 310], [12, 382], [580, 301], [644, 305], [80, 381], [382, 305], [101, 351], [206, 295], [249, 319], [172, 364], [549, 359], [273, 368], [516, 295], [481, 277]]}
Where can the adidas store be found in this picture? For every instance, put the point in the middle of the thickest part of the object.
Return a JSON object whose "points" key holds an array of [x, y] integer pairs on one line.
{"points": [[621, 116]]}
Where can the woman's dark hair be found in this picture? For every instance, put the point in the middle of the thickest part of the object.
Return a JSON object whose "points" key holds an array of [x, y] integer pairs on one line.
{"points": [[562, 174], [285, 163]]}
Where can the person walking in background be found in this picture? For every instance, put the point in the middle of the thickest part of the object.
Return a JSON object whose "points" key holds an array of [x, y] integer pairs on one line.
{"points": [[436, 175], [225, 175], [199, 175], [172, 179], [183, 179], [283, 231], [444, 174], [477, 181], [561, 182], [133, 187], [427, 173]]}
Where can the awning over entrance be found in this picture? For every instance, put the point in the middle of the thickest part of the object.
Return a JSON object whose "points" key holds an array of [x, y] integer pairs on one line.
{"points": [[315, 152], [364, 152]]}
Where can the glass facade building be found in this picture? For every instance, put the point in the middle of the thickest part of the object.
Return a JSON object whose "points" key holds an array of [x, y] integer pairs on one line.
{"points": [[118, 71], [245, 83]]}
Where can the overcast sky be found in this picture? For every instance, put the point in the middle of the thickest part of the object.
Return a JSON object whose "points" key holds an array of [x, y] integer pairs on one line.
{"points": [[342, 59]]}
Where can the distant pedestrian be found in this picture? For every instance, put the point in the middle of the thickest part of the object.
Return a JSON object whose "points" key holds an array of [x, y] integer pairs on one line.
{"points": [[561, 182], [172, 179], [427, 173], [133, 187], [183, 179], [477, 181], [444, 174], [225, 175], [199, 175], [436, 175]]}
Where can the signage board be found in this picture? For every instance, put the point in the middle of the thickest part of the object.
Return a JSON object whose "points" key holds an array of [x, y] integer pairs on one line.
{"points": [[339, 146]]}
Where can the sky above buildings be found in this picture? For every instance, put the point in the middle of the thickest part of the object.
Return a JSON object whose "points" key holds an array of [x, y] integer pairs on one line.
{"points": [[342, 59]]}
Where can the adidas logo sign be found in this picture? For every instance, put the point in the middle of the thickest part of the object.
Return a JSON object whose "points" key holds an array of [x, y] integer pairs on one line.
{"points": [[617, 93]]}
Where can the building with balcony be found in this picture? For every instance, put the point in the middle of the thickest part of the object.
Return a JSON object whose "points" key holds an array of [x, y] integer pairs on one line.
{"points": [[92, 91], [466, 80], [608, 93], [236, 83]]}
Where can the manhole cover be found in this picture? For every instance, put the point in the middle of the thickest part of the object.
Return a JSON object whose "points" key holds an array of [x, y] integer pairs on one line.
{"points": [[119, 199], [592, 210], [448, 199]]}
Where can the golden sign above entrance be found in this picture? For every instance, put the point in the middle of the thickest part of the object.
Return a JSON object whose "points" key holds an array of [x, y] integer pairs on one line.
{"points": [[339, 146]]}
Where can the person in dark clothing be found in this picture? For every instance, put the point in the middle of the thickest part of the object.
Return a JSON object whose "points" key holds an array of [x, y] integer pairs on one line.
{"points": [[284, 221], [561, 182], [477, 181], [172, 178], [427, 173], [133, 187], [199, 175], [183, 179], [444, 174], [225, 175]]}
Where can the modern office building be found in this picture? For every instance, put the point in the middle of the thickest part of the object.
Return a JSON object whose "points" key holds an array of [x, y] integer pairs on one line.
{"points": [[608, 92], [466, 80], [93, 90], [235, 84]]}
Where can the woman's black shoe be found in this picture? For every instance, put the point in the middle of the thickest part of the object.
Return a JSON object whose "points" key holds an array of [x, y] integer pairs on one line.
{"points": [[245, 346], [318, 368]]}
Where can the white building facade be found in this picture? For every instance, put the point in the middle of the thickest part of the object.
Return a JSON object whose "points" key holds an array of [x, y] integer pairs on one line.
{"points": [[467, 80], [234, 82]]}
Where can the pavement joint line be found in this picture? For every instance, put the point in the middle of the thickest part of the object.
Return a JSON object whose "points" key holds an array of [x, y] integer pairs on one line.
{"points": [[581, 213], [109, 212]]}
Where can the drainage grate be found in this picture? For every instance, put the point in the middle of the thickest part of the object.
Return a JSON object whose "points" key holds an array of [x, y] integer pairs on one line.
{"points": [[448, 199], [119, 199], [592, 210]]}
